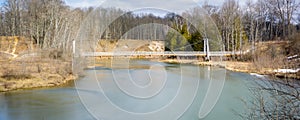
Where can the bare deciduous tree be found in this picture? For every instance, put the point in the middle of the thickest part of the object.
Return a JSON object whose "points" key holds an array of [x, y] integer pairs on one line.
{"points": [[274, 100]]}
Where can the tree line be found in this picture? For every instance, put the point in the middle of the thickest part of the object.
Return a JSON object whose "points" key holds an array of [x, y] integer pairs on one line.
{"points": [[53, 24]]}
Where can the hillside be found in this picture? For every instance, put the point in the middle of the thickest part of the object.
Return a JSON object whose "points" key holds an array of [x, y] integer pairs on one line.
{"points": [[11, 46], [130, 45], [22, 66]]}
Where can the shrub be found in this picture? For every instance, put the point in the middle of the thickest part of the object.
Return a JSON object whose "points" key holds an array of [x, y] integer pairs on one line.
{"points": [[294, 46], [14, 75], [271, 57]]}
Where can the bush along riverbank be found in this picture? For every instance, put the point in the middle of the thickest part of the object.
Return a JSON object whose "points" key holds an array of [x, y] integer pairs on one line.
{"points": [[34, 72], [276, 58], [238, 66]]}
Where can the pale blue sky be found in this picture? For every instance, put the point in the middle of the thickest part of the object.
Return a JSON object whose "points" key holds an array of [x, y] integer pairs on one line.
{"points": [[169, 5], [1, 1], [134, 4], [165, 5]]}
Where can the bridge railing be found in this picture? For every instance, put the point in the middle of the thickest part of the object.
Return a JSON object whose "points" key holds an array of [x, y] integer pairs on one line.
{"points": [[166, 53]]}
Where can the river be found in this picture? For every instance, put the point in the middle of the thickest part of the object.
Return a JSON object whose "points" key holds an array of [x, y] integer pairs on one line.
{"points": [[160, 91]]}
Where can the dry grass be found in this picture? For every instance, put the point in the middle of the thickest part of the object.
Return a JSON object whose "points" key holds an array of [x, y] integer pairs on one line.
{"points": [[7, 43], [270, 55], [123, 45], [32, 67], [34, 72]]}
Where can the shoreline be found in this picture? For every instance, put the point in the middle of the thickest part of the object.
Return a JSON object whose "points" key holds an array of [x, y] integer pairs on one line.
{"points": [[47, 79], [36, 74], [34, 83], [237, 66]]}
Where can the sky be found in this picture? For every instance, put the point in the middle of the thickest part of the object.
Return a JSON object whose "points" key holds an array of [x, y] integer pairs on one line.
{"points": [[134, 4], [1, 1], [176, 6], [138, 3], [137, 6]]}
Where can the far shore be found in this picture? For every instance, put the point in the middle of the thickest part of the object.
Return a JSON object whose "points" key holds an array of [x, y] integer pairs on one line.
{"points": [[236, 66]]}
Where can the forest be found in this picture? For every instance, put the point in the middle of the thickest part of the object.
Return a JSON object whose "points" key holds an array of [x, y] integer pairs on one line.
{"points": [[53, 24]]}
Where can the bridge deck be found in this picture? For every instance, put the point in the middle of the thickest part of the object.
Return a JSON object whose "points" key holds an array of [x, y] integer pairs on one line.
{"points": [[166, 53]]}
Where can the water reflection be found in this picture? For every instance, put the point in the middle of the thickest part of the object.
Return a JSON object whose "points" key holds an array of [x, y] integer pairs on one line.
{"points": [[62, 103]]}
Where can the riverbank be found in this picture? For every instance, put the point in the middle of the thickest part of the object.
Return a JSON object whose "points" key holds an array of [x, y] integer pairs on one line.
{"points": [[35, 73], [237, 66]]}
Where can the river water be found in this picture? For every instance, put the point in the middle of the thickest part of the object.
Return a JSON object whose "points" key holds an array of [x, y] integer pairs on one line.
{"points": [[135, 89]]}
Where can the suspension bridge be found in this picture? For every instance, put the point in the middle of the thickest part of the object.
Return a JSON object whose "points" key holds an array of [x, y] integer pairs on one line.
{"points": [[206, 53], [165, 53]]}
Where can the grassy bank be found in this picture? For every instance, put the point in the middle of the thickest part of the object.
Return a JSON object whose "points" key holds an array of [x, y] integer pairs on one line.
{"points": [[34, 73], [238, 66], [23, 65]]}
